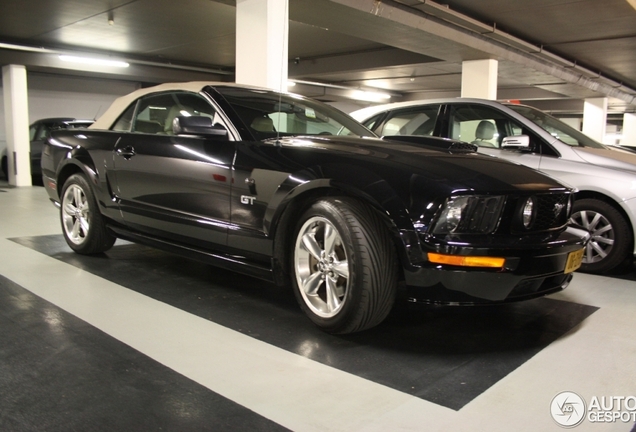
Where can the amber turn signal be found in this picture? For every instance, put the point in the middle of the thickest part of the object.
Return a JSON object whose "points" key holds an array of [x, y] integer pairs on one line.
{"points": [[466, 261]]}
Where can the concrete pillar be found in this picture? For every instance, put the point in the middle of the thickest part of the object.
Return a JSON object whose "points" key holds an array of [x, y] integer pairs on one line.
{"points": [[595, 118], [629, 130], [479, 79], [262, 29], [16, 113]]}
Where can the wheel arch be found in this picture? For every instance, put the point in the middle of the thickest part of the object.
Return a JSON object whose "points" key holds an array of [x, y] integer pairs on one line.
{"points": [[70, 167], [588, 194], [291, 203]]}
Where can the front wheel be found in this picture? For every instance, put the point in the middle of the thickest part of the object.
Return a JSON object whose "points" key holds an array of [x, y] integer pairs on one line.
{"points": [[610, 235], [82, 224], [345, 266]]}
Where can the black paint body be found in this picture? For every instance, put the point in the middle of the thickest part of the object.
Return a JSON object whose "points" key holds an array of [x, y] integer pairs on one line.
{"points": [[235, 202]]}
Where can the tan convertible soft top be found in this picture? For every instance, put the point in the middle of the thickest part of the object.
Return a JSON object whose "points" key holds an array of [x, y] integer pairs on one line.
{"points": [[106, 120]]}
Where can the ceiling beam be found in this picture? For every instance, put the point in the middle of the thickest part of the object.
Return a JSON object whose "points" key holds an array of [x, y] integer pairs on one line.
{"points": [[380, 58], [406, 27]]}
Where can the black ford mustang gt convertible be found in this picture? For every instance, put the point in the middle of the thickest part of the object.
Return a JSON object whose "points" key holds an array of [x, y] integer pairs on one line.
{"points": [[290, 190]]}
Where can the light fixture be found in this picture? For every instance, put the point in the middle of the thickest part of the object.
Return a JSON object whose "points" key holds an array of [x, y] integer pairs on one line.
{"points": [[370, 96], [94, 61], [290, 84]]}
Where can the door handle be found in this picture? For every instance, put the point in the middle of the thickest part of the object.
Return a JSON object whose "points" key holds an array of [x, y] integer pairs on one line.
{"points": [[126, 152]]}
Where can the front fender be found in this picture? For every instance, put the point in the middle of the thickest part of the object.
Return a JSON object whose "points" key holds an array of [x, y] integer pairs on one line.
{"points": [[79, 160], [356, 182], [76, 160]]}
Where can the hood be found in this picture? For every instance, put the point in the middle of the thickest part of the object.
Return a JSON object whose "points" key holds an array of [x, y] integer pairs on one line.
{"points": [[424, 164], [610, 157]]}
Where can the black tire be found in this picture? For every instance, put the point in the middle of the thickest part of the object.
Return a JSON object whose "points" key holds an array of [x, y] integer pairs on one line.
{"points": [[611, 236], [82, 224], [359, 269]]}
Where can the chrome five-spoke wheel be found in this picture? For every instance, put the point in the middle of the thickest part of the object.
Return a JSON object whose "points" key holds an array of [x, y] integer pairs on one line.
{"points": [[322, 269], [82, 224], [75, 214], [344, 265]]}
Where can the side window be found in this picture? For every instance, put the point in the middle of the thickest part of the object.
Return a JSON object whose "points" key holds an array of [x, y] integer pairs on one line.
{"points": [[32, 130], [44, 132], [155, 114], [152, 113], [303, 121], [479, 125], [487, 127], [412, 121], [125, 120], [372, 122]]}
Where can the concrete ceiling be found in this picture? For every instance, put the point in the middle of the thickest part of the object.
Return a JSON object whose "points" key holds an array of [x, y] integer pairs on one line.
{"points": [[551, 52]]}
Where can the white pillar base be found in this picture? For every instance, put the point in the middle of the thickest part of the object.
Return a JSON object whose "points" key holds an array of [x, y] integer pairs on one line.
{"points": [[16, 111]]}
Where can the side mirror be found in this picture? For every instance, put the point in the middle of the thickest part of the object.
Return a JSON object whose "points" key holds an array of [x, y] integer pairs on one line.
{"points": [[517, 142], [198, 125]]}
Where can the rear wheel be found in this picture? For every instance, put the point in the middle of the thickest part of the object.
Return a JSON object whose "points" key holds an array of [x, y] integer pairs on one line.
{"points": [[345, 266], [82, 224], [610, 235]]}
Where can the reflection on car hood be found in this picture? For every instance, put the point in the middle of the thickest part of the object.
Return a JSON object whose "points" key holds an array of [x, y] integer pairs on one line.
{"points": [[466, 172], [615, 158]]}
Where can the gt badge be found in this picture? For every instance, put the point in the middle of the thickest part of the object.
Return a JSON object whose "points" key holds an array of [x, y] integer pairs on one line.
{"points": [[246, 199]]}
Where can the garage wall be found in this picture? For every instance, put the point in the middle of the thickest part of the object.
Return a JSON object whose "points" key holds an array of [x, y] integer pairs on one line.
{"points": [[61, 96]]}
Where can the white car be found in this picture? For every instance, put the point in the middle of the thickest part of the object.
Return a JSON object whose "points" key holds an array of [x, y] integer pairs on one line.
{"points": [[605, 176]]}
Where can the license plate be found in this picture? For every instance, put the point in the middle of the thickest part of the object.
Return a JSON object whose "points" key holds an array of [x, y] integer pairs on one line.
{"points": [[574, 261]]}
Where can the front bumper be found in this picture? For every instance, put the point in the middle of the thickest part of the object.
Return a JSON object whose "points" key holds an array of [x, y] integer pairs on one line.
{"points": [[529, 272]]}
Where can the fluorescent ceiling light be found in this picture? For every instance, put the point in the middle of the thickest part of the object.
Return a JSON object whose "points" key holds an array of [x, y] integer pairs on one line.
{"points": [[292, 84], [24, 48], [370, 96], [94, 61]]}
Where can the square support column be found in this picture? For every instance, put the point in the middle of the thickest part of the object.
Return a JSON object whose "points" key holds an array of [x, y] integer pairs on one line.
{"points": [[595, 118], [629, 130], [16, 111], [262, 31], [479, 79]]}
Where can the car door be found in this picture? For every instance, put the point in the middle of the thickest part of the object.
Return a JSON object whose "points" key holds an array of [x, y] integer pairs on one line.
{"points": [[174, 187]]}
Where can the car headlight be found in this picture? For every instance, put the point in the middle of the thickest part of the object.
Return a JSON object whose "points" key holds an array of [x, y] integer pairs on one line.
{"points": [[469, 215]]}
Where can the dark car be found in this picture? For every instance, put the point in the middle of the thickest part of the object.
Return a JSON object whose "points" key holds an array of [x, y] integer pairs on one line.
{"points": [[38, 132], [290, 190]]}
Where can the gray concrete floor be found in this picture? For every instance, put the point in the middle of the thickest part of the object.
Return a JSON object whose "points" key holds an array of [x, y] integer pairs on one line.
{"points": [[145, 359]]}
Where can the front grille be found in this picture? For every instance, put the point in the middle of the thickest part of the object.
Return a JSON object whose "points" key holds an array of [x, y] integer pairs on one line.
{"points": [[551, 213]]}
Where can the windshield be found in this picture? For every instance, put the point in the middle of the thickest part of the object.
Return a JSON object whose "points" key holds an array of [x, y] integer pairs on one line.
{"points": [[269, 114], [555, 127]]}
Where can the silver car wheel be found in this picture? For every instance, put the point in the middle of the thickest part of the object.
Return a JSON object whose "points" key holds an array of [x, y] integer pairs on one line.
{"points": [[601, 234], [322, 268], [75, 214]]}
